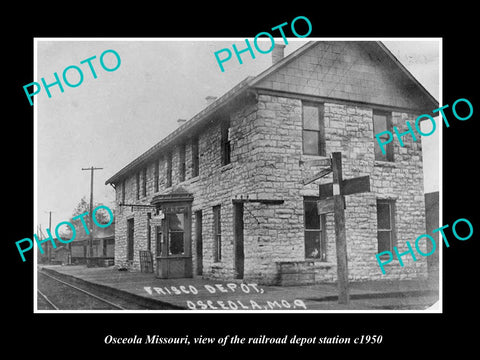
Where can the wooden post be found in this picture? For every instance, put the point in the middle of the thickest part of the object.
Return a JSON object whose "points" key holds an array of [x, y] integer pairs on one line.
{"points": [[340, 235], [89, 254]]}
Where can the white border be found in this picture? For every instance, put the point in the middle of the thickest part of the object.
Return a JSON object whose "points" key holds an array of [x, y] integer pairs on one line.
{"points": [[436, 308]]}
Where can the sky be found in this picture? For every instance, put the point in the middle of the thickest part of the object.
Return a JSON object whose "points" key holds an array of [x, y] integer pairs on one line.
{"points": [[109, 121]]}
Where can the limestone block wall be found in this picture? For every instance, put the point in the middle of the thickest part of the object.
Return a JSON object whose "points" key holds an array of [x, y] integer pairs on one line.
{"points": [[267, 162], [281, 169]]}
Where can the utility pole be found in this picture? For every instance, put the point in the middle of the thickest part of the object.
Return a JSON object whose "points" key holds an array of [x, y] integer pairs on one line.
{"points": [[90, 239], [340, 234], [49, 247], [332, 199]]}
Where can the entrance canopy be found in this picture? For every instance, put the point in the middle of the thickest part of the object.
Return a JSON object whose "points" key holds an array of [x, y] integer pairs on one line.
{"points": [[175, 196]]}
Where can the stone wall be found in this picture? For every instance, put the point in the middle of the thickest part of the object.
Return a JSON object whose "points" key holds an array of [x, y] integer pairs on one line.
{"points": [[215, 185], [267, 162], [282, 167]]}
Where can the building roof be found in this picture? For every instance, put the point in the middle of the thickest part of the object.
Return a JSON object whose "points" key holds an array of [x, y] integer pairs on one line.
{"points": [[252, 82], [99, 233]]}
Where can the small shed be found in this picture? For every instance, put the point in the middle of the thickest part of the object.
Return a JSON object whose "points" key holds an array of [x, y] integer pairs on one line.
{"points": [[62, 255], [103, 247]]}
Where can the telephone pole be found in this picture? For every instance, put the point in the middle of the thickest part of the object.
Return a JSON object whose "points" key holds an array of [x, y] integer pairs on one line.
{"points": [[90, 239], [49, 247]]}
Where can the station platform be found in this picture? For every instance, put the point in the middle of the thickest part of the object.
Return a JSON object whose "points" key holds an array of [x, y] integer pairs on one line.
{"points": [[215, 295]]}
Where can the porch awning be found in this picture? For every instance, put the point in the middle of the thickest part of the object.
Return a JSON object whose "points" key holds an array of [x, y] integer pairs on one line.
{"points": [[176, 195]]}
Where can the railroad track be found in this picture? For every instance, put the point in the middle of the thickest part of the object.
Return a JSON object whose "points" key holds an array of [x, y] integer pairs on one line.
{"points": [[63, 295]]}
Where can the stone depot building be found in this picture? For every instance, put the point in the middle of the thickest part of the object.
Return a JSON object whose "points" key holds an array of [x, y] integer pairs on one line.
{"points": [[223, 195]]}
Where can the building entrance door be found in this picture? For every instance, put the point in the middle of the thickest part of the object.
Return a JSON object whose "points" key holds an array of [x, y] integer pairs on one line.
{"points": [[199, 241], [174, 260], [130, 237], [239, 256], [174, 234]]}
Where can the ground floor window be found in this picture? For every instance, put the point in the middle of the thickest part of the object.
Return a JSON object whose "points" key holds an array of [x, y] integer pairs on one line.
{"points": [[385, 225], [176, 232], [315, 235], [217, 234]]}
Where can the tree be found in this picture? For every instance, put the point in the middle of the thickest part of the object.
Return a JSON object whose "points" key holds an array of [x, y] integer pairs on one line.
{"points": [[101, 216], [83, 206]]}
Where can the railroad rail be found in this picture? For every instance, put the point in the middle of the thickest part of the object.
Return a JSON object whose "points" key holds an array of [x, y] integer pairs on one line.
{"points": [[49, 301]]}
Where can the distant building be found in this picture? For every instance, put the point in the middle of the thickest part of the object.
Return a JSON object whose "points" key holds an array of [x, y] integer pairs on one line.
{"points": [[223, 197], [61, 255], [103, 246]]}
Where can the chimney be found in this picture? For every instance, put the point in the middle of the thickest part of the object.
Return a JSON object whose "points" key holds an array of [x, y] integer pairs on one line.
{"points": [[277, 53], [210, 99], [180, 122]]}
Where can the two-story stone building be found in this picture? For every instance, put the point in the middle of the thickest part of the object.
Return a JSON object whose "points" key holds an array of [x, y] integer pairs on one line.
{"points": [[225, 194]]}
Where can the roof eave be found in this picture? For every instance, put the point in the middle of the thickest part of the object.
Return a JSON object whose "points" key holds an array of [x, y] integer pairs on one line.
{"points": [[429, 96]]}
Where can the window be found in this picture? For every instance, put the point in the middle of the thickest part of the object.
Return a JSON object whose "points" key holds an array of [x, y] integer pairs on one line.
{"points": [[130, 237], [123, 191], [217, 234], [138, 185], [199, 241], [313, 129], [169, 170], [149, 232], [181, 163], [382, 122], [385, 225], [226, 134], [315, 237], [195, 157], [156, 175], [176, 228], [144, 182], [159, 239]]}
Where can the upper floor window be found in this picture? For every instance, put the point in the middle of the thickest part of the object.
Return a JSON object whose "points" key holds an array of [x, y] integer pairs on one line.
{"points": [[169, 170], [382, 121], [123, 191], [156, 175], [138, 185], [181, 163], [313, 129], [195, 157], [144, 182], [226, 133]]}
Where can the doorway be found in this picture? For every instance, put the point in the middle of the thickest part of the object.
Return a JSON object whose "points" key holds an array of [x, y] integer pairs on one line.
{"points": [[199, 241], [130, 233], [174, 258], [239, 256]]}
